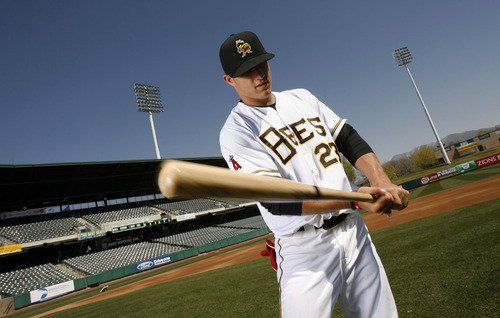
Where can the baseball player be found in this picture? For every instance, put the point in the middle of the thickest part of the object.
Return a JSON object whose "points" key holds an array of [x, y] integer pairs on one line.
{"points": [[323, 250]]}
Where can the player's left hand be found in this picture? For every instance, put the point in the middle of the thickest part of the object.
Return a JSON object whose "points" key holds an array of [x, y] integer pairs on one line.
{"points": [[383, 203]]}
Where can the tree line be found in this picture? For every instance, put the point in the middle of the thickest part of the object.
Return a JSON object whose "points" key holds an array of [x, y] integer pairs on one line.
{"points": [[421, 158]]}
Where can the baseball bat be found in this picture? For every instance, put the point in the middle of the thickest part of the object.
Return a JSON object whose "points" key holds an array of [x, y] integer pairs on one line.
{"points": [[181, 179]]}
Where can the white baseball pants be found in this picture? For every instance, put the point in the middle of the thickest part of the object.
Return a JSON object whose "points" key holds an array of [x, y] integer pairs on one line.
{"points": [[316, 267]]}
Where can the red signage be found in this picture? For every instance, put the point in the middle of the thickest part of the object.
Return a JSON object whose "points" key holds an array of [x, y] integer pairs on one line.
{"points": [[488, 161], [430, 178]]}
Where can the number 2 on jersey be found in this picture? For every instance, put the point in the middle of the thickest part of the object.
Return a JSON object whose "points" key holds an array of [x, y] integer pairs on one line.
{"points": [[326, 156]]}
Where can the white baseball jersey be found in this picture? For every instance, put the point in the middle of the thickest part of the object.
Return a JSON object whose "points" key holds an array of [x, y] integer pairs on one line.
{"points": [[315, 267], [293, 140]]}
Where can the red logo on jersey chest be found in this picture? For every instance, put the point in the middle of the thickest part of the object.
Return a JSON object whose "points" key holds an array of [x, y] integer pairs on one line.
{"points": [[236, 165]]}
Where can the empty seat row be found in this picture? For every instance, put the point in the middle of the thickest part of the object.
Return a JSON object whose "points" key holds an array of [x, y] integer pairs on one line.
{"points": [[201, 236], [100, 217], [254, 222], [32, 278], [191, 206], [38, 230], [98, 262]]}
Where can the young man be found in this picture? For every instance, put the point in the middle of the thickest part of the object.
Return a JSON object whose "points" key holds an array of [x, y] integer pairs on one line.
{"points": [[323, 250]]}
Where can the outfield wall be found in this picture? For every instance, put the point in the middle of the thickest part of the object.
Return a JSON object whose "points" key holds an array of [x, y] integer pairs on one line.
{"points": [[50, 292], [452, 171]]}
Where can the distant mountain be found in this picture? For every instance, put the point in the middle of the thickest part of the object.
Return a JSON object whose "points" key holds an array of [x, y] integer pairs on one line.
{"points": [[451, 140]]}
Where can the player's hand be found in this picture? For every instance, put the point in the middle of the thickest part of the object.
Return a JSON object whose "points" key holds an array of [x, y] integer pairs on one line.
{"points": [[383, 203], [401, 196]]}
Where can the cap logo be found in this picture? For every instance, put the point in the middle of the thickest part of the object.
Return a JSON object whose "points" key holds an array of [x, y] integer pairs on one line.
{"points": [[243, 48]]}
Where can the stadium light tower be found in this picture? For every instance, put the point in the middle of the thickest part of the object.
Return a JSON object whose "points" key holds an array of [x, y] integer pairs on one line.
{"points": [[403, 57], [149, 101]]}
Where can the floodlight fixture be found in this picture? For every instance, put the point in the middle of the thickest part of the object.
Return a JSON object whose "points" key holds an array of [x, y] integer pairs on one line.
{"points": [[403, 57], [149, 101], [148, 98]]}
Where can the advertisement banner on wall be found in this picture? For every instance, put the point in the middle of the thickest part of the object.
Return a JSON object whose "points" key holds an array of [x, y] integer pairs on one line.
{"points": [[91, 234], [155, 262], [50, 292], [446, 173], [466, 167], [430, 178], [488, 161]]}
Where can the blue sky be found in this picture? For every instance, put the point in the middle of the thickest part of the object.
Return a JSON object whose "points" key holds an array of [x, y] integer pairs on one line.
{"points": [[68, 68]]}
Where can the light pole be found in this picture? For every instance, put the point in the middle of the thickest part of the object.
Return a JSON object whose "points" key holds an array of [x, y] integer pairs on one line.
{"points": [[403, 57], [149, 101]]}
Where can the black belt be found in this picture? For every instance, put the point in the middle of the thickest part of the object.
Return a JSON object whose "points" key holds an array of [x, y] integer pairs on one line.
{"points": [[330, 223]]}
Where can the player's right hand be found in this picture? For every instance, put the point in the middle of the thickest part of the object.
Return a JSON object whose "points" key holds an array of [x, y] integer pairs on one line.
{"points": [[401, 196]]}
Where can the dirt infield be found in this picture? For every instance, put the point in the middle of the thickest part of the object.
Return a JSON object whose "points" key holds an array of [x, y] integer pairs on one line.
{"points": [[443, 201]]}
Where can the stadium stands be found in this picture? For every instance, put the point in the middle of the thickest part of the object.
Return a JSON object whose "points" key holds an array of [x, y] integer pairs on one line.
{"points": [[193, 206], [254, 222], [201, 236], [58, 225], [98, 262], [32, 278], [236, 202], [99, 216], [38, 228], [95, 263], [110, 219]]}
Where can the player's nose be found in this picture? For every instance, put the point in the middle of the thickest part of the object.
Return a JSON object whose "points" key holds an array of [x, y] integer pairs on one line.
{"points": [[262, 69], [259, 71]]}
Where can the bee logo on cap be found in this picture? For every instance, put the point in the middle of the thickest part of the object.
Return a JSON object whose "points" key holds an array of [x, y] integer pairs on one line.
{"points": [[243, 48]]}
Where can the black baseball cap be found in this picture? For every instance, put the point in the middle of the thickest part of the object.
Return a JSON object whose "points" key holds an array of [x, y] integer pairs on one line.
{"points": [[241, 52]]}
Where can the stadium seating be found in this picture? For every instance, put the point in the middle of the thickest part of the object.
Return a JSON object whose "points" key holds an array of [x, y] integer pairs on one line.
{"points": [[200, 236], [192, 206], [236, 202], [99, 217], [98, 262], [41, 228], [254, 222], [38, 229], [32, 278]]}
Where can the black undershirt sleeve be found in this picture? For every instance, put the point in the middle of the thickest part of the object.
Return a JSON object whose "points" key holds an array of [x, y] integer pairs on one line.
{"points": [[288, 208], [351, 145]]}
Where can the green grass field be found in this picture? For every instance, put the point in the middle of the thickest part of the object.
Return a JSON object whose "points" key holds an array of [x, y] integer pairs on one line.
{"points": [[441, 266]]}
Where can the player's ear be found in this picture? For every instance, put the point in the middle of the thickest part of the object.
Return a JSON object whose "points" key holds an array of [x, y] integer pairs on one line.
{"points": [[228, 79]]}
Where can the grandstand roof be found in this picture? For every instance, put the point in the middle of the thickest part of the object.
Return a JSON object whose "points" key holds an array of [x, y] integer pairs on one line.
{"points": [[41, 185]]}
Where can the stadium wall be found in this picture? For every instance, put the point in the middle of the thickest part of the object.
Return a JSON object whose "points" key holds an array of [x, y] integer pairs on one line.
{"points": [[95, 280], [452, 171]]}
